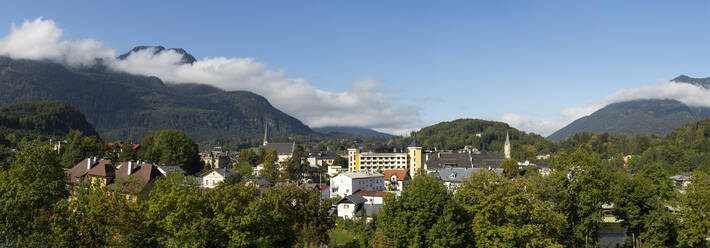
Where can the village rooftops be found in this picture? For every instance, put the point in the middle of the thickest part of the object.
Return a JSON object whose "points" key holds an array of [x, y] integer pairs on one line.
{"points": [[358, 175], [457, 175]]}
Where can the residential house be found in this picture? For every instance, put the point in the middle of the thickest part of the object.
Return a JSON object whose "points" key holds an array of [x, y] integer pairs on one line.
{"points": [[356, 206], [213, 177], [681, 180], [132, 178], [349, 182], [396, 180], [167, 169]]}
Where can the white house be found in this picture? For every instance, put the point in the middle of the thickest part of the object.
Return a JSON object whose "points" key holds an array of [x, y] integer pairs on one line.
{"points": [[396, 180], [211, 178], [348, 183], [349, 205]]}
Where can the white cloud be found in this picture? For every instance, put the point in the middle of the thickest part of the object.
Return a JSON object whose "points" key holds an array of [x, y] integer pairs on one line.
{"points": [[363, 105], [39, 40]]}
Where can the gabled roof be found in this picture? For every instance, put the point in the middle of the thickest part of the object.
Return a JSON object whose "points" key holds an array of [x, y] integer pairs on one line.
{"points": [[355, 199], [487, 160], [371, 193], [457, 175], [82, 169], [135, 180], [221, 171], [281, 148], [400, 174], [121, 145]]}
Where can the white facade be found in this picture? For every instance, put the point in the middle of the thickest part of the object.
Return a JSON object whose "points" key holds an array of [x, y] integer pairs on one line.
{"points": [[346, 210], [335, 170], [350, 182], [212, 179], [370, 161]]}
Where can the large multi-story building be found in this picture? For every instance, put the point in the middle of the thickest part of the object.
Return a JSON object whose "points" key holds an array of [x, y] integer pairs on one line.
{"points": [[410, 160], [350, 182]]}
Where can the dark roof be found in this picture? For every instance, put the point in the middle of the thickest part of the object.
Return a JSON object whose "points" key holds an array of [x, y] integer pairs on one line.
{"points": [[281, 148], [260, 181], [355, 199], [324, 154], [457, 175], [222, 171], [487, 160], [439, 160], [167, 169]]}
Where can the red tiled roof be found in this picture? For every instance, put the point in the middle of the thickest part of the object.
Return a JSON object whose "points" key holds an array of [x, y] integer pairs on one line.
{"points": [[99, 167], [401, 174], [371, 193], [135, 146], [142, 174]]}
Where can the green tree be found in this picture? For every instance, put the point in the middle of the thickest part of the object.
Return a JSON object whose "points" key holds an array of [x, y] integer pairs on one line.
{"points": [[296, 165], [425, 215], [177, 212], [172, 147], [505, 213], [638, 196], [127, 153], [270, 172], [510, 168], [341, 161], [80, 147], [695, 212], [582, 186], [244, 169], [28, 189], [97, 216]]}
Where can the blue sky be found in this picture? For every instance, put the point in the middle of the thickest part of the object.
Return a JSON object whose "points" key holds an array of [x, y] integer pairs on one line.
{"points": [[449, 60]]}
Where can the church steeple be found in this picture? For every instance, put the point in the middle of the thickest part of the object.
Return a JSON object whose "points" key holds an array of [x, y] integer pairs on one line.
{"points": [[266, 132], [506, 148]]}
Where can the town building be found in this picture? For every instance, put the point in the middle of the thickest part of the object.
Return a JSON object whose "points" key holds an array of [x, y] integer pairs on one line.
{"points": [[411, 160], [215, 158], [322, 159], [396, 180], [372, 196], [349, 182]]}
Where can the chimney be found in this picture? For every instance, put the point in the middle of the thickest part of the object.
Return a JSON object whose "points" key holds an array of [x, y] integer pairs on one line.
{"points": [[130, 167], [88, 163]]}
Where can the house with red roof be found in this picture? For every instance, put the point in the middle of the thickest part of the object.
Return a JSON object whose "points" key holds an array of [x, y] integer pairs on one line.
{"points": [[132, 178], [396, 180]]}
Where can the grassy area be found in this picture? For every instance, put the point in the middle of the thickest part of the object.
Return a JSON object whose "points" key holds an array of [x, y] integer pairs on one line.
{"points": [[341, 237]]}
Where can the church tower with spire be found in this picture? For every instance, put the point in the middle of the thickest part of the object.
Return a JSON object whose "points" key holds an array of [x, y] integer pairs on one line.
{"points": [[266, 133], [506, 148]]}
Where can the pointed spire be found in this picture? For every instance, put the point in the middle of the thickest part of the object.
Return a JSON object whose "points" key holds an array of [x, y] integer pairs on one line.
{"points": [[414, 141], [266, 132], [507, 138]]}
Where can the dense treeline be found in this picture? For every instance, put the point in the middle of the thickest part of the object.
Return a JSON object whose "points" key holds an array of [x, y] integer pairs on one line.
{"points": [[36, 212], [40, 119]]}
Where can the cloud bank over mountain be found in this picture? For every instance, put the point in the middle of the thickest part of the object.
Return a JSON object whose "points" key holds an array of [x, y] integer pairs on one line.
{"points": [[362, 105], [689, 94]]}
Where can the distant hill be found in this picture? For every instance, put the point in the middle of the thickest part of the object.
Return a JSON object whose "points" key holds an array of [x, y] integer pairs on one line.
{"points": [[186, 57], [486, 136], [129, 107], [357, 131], [42, 119], [640, 116]]}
